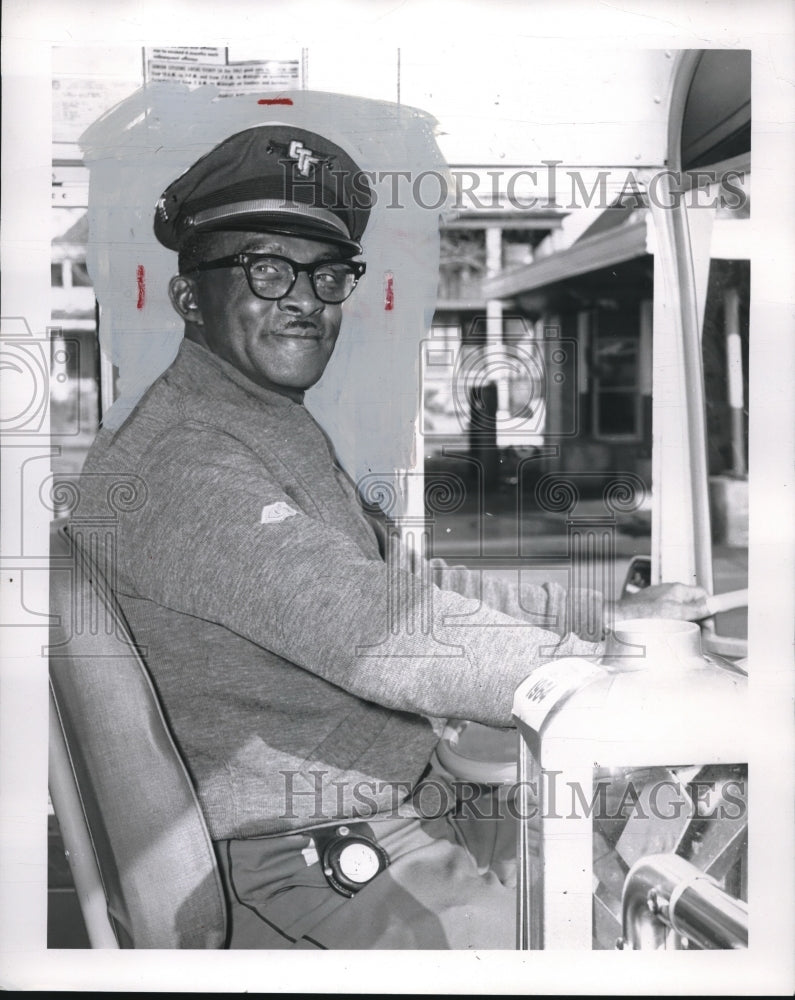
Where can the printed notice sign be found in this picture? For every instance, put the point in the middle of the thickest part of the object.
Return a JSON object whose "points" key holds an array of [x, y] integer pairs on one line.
{"points": [[188, 53], [233, 79]]}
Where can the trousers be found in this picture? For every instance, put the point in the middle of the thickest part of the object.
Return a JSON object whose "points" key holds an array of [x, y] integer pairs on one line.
{"points": [[450, 884]]}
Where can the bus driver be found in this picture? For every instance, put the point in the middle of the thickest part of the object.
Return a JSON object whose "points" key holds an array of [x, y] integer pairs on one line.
{"points": [[256, 583]]}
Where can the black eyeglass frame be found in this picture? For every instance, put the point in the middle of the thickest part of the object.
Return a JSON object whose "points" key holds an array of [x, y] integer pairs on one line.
{"points": [[246, 260]]}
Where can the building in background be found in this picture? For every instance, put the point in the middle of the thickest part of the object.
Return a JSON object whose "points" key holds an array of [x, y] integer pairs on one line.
{"points": [[483, 372]]}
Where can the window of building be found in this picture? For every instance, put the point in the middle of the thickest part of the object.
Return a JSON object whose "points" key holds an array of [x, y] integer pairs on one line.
{"points": [[616, 400]]}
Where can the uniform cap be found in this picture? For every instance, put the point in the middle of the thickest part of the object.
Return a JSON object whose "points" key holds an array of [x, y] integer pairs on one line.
{"points": [[271, 178]]}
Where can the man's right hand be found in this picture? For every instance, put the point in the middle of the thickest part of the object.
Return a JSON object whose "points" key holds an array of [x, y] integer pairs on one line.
{"points": [[662, 600]]}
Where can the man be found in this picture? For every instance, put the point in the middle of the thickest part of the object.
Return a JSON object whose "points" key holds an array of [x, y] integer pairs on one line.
{"points": [[306, 713]]}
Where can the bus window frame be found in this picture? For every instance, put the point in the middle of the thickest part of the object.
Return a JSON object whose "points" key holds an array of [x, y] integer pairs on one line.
{"points": [[683, 501]]}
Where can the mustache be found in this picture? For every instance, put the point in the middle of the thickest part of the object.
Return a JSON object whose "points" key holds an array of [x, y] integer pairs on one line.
{"points": [[299, 324]]}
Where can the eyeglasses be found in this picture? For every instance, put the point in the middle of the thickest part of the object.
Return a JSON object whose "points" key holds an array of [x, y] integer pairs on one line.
{"points": [[272, 277]]}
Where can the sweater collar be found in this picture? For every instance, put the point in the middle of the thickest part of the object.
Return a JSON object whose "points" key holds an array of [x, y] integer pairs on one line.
{"points": [[197, 363]]}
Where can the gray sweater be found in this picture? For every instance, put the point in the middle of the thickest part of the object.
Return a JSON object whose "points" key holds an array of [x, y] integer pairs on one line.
{"points": [[300, 673]]}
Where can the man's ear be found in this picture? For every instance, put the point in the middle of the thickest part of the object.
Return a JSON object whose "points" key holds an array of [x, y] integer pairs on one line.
{"points": [[184, 298]]}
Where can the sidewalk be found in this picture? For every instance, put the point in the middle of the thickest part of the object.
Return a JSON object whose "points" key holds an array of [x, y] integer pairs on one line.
{"points": [[501, 534]]}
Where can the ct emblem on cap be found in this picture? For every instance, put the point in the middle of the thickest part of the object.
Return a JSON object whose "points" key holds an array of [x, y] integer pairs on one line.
{"points": [[305, 157]]}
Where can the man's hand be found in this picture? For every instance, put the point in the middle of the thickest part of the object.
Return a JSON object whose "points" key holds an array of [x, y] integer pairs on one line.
{"points": [[663, 600]]}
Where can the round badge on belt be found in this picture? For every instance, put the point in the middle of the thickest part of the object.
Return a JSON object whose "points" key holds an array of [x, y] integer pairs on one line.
{"points": [[350, 861]]}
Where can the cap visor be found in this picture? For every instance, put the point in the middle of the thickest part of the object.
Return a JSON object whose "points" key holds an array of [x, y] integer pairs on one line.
{"points": [[283, 224]]}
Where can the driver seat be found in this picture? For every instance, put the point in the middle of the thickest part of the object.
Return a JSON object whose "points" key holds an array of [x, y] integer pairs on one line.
{"points": [[141, 856]]}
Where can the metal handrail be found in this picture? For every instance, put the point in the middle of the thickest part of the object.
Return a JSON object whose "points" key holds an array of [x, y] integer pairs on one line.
{"points": [[664, 892]]}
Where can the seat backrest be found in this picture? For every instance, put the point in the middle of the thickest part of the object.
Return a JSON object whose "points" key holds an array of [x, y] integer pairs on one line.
{"points": [[147, 833]]}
